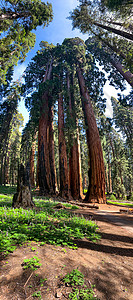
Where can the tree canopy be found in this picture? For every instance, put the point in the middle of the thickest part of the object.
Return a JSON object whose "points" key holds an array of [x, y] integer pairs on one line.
{"points": [[17, 20]]}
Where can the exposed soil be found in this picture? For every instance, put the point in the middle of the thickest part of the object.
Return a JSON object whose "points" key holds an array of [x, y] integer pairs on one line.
{"points": [[108, 263]]}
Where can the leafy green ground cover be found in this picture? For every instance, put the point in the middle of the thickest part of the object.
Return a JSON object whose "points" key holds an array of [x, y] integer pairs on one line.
{"points": [[7, 190], [45, 225], [79, 290]]}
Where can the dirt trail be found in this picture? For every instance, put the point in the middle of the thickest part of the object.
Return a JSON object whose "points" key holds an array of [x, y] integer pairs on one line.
{"points": [[112, 215], [108, 263]]}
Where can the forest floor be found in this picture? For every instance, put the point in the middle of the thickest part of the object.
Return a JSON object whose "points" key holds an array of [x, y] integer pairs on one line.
{"points": [[107, 263]]}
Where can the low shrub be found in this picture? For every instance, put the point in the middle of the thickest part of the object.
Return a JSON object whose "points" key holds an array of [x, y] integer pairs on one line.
{"points": [[112, 197]]}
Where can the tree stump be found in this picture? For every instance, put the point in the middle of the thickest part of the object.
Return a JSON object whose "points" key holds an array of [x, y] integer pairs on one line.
{"points": [[23, 198]]}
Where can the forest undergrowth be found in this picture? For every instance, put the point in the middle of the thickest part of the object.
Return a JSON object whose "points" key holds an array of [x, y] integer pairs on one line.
{"points": [[44, 224]]}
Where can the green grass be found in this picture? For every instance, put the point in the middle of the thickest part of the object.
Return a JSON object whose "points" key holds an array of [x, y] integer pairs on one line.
{"points": [[8, 190], [120, 203], [45, 226]]}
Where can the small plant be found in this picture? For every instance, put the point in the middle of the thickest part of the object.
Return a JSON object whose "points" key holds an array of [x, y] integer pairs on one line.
{"points": [[83, 294], [131, 198], [33, 249], [42, 280], [74, 278], [32, 263], [37, 294], [112, 197]]}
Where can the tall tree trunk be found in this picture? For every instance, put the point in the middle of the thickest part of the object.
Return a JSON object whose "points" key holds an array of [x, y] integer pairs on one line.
{"points": [[46, 168], [51, 150], [7, 169], [32, 158], [75, 177], [96, 190], [107, 179], [127, 75], [63, 167], [122, 33], [110, 178]]}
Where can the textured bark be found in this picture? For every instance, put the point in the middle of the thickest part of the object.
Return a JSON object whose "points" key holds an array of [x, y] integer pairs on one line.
{"points": [[46, 162], [127, 75], [63, 167], [122, 33], [51, 150], [75, 177], [23, 197], [107, 180], [110, 178], [32, 157], [46, 175], [96, 190], [7, 169]]}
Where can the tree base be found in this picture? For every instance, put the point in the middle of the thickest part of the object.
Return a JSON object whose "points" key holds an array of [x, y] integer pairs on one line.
{"points": [[23, 198], [92, 199]]}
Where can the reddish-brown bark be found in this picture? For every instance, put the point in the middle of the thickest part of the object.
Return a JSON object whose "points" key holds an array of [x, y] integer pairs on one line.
{"points": [[32, 157], [63, 167], [46, 165], [75, 178], [127, 75], [107, 180], [96, 190], [110, 179]]}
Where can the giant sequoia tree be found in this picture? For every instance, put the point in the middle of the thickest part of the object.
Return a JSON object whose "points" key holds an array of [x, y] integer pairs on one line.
{"points": [[55, 72]]}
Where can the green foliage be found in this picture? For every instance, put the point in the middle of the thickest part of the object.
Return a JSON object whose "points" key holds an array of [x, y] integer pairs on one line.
{"points": [[131, 198], [83, 294], [37, 294], [17, 20], [32, 263], [112, 30], [120, 203], [74, 278], [46, 226], [112, 197]]}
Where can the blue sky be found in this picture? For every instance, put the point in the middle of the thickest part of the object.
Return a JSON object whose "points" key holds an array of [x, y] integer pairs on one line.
{"points": [[59, 29]]}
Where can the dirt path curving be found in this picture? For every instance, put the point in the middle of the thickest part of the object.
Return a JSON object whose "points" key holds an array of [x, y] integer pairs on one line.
{"points": [[108, 263]]}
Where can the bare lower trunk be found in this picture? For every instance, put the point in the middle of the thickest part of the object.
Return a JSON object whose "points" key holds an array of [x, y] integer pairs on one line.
{"points": [[46, 169], [110, 179], [51, 150], [96, 190], [75, 171], [23, 197], [32, 157], [46, 162], [63, 167], [107, 179], [75, 177]]}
